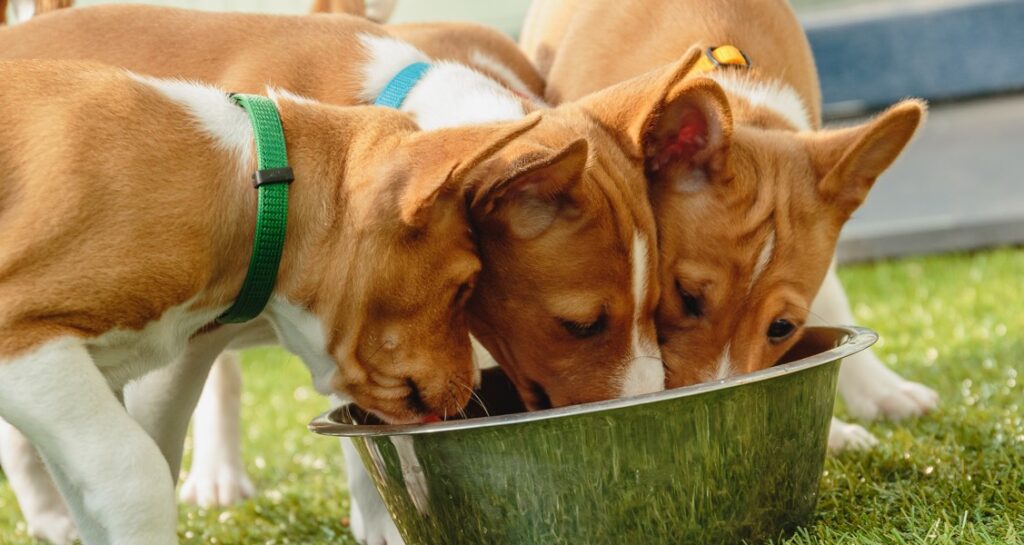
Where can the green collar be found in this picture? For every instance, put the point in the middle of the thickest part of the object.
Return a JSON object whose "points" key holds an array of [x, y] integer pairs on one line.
{"points": [[271, 181]]}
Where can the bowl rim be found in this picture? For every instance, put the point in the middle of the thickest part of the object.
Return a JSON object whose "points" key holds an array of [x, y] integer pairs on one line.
{"points": [[857, 339]]}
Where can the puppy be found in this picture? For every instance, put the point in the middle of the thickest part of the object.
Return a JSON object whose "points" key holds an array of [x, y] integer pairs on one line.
{"points": [[751, 194], [114, 266], [562, 340]]}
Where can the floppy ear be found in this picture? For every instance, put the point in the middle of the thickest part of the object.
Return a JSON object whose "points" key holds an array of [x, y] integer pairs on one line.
{"points": [[436, 162], [848, 161], [680, 127], [529, 186]]}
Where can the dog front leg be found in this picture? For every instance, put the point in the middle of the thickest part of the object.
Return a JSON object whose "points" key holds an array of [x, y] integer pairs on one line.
{"points": [[45, 512], [163, 401], [217, 476], [369, 519], [871, 390], [114, 477]]}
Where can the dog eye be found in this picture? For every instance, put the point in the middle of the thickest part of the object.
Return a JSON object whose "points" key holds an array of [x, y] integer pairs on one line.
{"points": [[692, 304], [585, 331], [462, 294], [780, 330]]}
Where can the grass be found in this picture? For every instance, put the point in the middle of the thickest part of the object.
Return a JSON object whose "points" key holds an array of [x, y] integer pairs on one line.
{"points": [[954, 477]]}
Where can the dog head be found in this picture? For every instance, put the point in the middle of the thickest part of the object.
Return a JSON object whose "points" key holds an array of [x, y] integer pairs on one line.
{"points": [[748, 217], [566, 297], [392, 259]]}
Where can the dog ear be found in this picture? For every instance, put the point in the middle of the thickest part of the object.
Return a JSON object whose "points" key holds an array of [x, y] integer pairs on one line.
{"points": [[848, 161], [687, 139], [680, 126], [528, 187], [441, 161]]}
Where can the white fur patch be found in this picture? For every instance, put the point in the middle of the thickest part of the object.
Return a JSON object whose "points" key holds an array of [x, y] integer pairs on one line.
{"points": [[217, 477], [386, 57], [215, 113], [449, 94], [302, 334], [763, 259], [452, 94], [724, 367], [45, 512], [370, 520], [645, 372], [109, 470], [488, 62], [277, 95], [124, 355], [773, 95]]}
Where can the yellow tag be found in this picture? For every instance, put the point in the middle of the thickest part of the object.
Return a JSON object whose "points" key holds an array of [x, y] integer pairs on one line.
{"points": [[726, 55]]}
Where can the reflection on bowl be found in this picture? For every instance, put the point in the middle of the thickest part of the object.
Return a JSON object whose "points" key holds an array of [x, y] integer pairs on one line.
{"points": [[721, 462]]}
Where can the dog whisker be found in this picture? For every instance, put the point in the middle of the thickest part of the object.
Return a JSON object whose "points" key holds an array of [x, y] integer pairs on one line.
{"points": [[474, 396]]}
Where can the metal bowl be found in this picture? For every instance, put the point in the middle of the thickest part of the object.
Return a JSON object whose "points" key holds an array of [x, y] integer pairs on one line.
{"points": [[721, 462]]}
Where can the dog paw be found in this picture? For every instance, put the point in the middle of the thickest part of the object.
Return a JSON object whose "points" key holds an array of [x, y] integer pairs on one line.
{"points": [[381, 532], [375, 527], [218, 488], [53, 528], [843, 436], [893, 399]]}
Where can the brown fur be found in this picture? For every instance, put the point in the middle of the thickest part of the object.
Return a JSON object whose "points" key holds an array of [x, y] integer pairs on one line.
{"points": [[762, 177], [100, 233], [573, 269]]}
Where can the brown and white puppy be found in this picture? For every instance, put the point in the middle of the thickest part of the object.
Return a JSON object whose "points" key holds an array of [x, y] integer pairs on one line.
{"points": [[749, 192], [127, 223], [570, 242], [560, 220]]}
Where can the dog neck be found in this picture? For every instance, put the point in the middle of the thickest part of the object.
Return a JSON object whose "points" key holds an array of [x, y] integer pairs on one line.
{"points": [[449, 94], [762, 102]]}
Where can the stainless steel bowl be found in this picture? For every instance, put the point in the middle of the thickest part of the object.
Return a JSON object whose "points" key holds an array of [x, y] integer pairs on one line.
{"points": [[721, 462]]}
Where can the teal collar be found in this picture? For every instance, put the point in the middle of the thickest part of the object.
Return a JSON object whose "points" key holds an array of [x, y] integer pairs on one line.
{"points": [[271, 180], [398, 88]]}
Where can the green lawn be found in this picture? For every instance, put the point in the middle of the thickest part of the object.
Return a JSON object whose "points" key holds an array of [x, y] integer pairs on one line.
{"points": [[956, 477]]}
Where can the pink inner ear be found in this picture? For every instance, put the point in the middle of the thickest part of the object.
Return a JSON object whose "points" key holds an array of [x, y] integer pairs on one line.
{"points": [[691, 138]]}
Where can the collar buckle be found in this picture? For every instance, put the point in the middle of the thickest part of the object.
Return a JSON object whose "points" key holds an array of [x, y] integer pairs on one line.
{"points": [[267, 176]]}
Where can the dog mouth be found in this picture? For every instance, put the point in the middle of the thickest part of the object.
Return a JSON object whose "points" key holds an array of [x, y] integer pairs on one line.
{"points": [[538, 400], [414, 400], [400, 410]]}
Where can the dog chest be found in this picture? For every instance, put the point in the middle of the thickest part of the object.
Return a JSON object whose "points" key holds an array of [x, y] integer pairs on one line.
{"points": [[124, 355]]}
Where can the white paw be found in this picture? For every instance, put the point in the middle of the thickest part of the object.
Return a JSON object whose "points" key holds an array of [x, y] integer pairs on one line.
{"points": [[872, 390], [376, 527], [217, 488], [891, 399], [55, 528], [843, 436], [381, 531]]}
